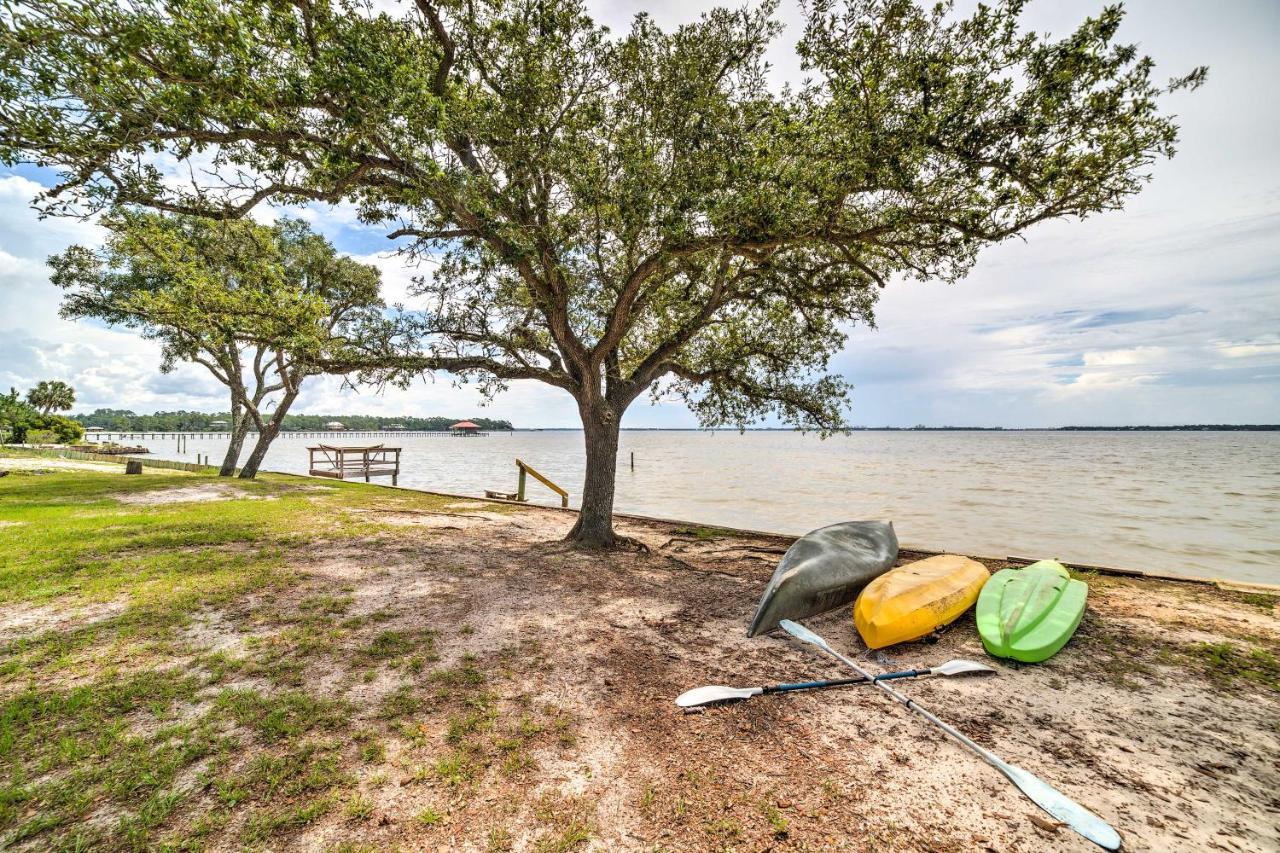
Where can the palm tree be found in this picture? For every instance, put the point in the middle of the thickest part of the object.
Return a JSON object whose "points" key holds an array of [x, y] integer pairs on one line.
{"points": [[52, 396]]}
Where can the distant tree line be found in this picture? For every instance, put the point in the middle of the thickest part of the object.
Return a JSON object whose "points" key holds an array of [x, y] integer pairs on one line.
{"points": [[1177, 428], [125, 420]]}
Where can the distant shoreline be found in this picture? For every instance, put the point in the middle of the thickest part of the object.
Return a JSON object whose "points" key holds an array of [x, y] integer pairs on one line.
{"points": [[1178, 428]]}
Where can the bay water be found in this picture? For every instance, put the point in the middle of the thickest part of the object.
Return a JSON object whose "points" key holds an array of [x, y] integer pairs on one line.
{"points": [[1184, 503]]}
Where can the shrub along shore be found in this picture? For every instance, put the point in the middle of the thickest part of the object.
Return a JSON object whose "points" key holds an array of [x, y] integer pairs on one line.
{"points": [[290, 662]]}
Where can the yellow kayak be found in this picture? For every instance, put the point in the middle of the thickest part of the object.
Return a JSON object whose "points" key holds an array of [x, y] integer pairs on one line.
{"points": [[914, 600]]}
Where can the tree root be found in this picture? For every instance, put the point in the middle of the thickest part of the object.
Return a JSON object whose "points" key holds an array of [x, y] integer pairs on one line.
{"points": [[620, 543], [631, 543], [755, 549]]}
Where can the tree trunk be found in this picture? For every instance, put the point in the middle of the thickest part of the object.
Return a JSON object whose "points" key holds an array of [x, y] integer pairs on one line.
{"points": [[595, 520], [239, 427], [269, 432]]}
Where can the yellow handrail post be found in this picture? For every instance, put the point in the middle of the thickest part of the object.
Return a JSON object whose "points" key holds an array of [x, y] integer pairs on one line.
{"points": [[564, 496], [520, 485]]}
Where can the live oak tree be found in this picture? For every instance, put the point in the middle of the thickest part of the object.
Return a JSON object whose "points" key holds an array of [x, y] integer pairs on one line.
{"points": [[52, 396], [258, 306], [609, 215]]}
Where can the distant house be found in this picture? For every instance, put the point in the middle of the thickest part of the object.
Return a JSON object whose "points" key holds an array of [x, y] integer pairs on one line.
{"points": [[335, 426], [393, 426], [464, 428], [94, 429], [218, 425]]}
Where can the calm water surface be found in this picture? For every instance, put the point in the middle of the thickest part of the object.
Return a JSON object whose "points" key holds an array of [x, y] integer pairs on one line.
{"points": [[1190, 503]]}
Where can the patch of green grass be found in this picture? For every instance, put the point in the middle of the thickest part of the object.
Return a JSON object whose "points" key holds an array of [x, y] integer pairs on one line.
{"points": [[1261, 600], [373, 751], [455, 769], [571, 816], [499, 839], [159, 564], [518, 762], [528, 727], [776, 820], [462, 726], [76, 537], [576, 834], [359, 807], [275, 717], [1231, 665], [726, 828], [119, 740], [391, 645], [309, 767], [429, 817], [264, 823], [466, 674], [403, 702], [326, 605]]}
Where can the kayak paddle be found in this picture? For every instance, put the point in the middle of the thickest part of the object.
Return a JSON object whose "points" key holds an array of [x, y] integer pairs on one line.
{"points": [[1041, 793], [718, 693]]}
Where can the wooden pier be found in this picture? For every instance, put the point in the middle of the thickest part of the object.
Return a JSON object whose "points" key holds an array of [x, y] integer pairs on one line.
{"points": [[344, 462]]}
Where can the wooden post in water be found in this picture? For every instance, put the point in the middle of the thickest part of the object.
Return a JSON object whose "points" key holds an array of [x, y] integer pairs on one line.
{"points": [[633, 460], [520, 485]]}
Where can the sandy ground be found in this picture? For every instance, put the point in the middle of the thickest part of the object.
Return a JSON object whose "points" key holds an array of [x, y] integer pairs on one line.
{"points": [[1126, 719], [1118, 720], [192, 494], [52, 463]]}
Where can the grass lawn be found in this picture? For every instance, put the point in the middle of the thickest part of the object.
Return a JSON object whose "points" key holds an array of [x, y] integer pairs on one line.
{"points": [[132, 718]]}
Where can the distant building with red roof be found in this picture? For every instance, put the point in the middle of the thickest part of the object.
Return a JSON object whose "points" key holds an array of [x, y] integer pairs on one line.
{"points": [[465, 428]]}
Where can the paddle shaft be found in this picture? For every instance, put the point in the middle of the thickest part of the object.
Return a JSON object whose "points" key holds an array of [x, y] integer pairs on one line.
{"points": [[1024, 781], [986, 755], [841, 682]]}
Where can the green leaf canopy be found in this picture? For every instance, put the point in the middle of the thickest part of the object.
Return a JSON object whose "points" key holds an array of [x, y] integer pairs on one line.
{"points": [[611, 210]]}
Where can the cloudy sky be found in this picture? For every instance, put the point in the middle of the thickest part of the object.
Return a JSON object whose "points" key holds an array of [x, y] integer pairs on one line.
{"points": [[1167, 312]]}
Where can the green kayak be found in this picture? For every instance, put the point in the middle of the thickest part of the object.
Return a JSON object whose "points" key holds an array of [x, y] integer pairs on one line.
{"points": [[1028, 614]]}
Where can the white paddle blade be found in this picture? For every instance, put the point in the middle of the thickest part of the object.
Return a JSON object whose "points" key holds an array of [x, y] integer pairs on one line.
{"points": [[1066, 810], [959, 667], [715, 693], [803, 634]]}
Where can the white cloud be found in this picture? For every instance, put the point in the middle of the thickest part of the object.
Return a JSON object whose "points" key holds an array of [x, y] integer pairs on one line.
{"points": [[1249, 350], [398, 278]]}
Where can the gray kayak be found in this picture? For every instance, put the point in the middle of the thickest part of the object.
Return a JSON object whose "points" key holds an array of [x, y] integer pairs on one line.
{"points": [[826, 569]]}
